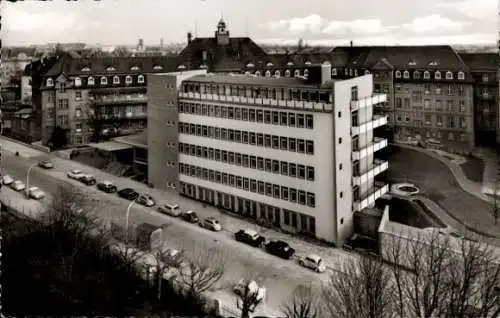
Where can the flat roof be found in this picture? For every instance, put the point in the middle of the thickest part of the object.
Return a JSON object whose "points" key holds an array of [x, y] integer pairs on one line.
{"points": [[110, 146], [139, 140], [244, 79]]}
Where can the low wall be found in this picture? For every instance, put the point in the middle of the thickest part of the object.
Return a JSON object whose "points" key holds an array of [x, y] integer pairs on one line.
{"points": [[35, 145]]}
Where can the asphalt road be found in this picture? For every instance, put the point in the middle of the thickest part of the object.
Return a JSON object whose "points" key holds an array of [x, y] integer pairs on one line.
{"points": [[279, 276]]}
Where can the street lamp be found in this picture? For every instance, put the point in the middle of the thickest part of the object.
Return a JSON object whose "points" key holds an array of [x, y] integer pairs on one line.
{"points": [[127, 215], [28, 177]]}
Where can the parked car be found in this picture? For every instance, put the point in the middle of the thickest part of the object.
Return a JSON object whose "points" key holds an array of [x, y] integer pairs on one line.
{"points": [[46, 164], [128, 193], [146, 200], [87, 179], [190, 216], [280, 249], [18, 185], [7, 179], [313, 262], [211, 223], [107, 186], [170, 209], [250, 237], [253, 287], [36, 193], [75, 174]]}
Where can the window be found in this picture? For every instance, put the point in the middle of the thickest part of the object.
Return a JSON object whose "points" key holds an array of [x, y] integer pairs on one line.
{"points": [[437, 75], [449, 75], [416, 75], [309, 147], [268, 74], [340, 140], [310, 173], [50, 82], [309, 121], [354, 93], [398, 74], [90, 81], [461, 91], [450, 90], [427, 89], [461, 75], [140, 79], [78, 112], [284, 168], [104, 81], [438, 89], [277, 73], [296, 73], [427, 75], [406, 74], [78, 82], [116, 80], [462, 106], [62, 88], [287, 73], [128, 79], [311, 199], [485, 78], [334, 72], [306, 72], [78, 95]]}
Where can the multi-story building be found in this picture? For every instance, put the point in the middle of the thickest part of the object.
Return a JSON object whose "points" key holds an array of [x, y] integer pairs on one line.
{"points": [[298, 152], [91, 99], [484, 68]]}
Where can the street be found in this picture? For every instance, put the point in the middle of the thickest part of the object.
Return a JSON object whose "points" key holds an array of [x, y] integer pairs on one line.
{"points": [[279, 276]]}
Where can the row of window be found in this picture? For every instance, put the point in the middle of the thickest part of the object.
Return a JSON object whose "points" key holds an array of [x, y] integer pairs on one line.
{"points": [[260, 116], [277, 73], [251, 185], [450, 136], [428, 105], [426, 89], [248, 161], [103, 80], [132, 68], [245, 137], [427, 75], [452, 122]]}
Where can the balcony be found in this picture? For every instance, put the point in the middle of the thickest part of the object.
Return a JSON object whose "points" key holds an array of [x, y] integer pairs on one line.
{"points": [[369, 198], [375, 145], [378, 167], [127, 99], [123, 115], [260, 101], [377, 121], [486, 96], [368, 101]]}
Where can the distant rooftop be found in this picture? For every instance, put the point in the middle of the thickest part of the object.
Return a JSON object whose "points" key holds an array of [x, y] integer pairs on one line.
{"points": [[257, 80]]}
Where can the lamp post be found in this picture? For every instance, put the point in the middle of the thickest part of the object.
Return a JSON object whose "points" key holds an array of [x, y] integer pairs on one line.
{"points": [[127, 215], [28, 177]]}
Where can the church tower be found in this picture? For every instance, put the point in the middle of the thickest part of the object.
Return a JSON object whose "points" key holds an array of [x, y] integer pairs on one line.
{"points": [[222, 34]]}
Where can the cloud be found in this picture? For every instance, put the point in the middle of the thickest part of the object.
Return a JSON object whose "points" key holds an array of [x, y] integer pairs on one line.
{"points": [[432, 23], [22, 21], [476, 9], [312, 23]]}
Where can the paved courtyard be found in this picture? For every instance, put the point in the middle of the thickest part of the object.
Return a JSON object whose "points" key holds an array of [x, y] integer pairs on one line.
{"points": [[438, 184]]}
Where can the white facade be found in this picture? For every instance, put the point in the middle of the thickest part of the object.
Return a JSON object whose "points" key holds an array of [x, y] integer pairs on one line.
{"points": [[331, 180]]}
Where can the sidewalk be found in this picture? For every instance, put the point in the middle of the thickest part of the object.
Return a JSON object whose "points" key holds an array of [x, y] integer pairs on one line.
{"points": [[24, 151]]}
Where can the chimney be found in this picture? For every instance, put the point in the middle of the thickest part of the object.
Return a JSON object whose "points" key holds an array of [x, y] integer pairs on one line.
{"points": [[189, 37], [326, 72], [351, 44]]}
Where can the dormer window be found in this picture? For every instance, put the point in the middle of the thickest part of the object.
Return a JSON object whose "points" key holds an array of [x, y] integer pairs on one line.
{"points": [[449, 75], [355, 72], [307, 63], [110, 68], [398, 74], [50, 82], [416, 75], [247, 73], [157, 67], [134, 68], [427, 75], [433, 63], [269, 64], [437, 75], [140, 79], [90, 81], [116, 80], [406, 74], [86, 69], [296, 73], [350, 72], [367, 72], [257, 73], [289, 63], [412, 63], [334, 72], [104, 81], [78, 82], [461, 75], [268, 73], [181, 67], [128, 79], [250, 65], [277, 73], [306, 72], [287, 73], [203, 66]]}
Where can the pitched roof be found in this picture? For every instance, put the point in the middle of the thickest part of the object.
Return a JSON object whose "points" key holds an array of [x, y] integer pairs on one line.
{"points": [[481, 61]]}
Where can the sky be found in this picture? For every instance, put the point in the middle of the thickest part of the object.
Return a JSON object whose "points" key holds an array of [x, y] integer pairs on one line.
{"points": [[318, 22]]}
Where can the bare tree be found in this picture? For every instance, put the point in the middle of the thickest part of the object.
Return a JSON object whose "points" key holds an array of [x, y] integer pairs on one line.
{"points": [[204, 267], [303, 303], [248, 297], [362, 289]]}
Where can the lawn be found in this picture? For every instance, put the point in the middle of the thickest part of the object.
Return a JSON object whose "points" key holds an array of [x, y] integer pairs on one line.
{"points": [[473, 169], [438, 184]]}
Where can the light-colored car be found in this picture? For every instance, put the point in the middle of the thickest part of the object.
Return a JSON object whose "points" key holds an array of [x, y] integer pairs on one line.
{"points": [[313, 262], [18, 185], [75, 174], [46, 164], [253, 287], [146, 200], [36, 193], [211, 223], [6, 179], [171, 209]]}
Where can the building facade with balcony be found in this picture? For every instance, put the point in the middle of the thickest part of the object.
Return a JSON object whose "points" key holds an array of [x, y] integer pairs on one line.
{"points": [[96, 99], [297, 152]]}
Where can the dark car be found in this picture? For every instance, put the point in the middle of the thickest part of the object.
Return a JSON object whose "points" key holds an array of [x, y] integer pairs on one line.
{"points": [[280, 249], [87, 179], [190, 216], [250, 237], [107, 187], [128, 193], [46, 164]]}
